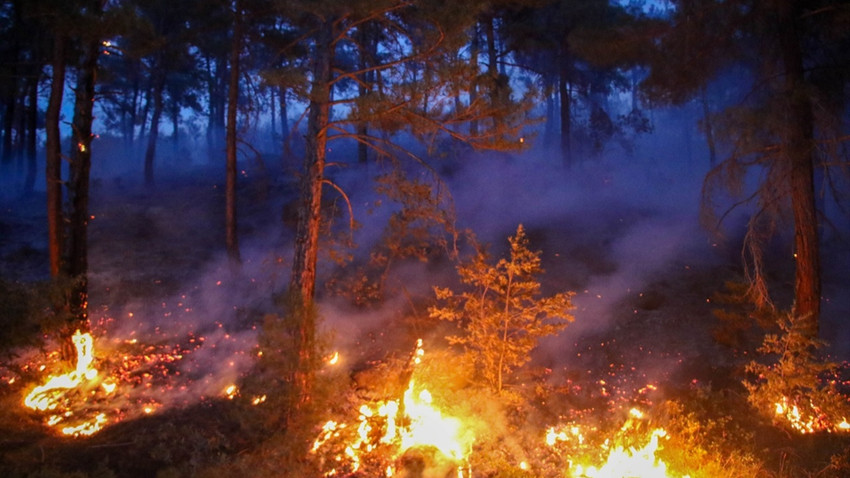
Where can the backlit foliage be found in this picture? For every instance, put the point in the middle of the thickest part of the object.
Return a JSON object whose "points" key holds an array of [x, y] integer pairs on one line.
{"points": [[796, 386], [501, 315]]}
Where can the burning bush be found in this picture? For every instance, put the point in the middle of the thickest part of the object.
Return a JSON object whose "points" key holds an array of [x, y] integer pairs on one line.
{"points": [[798, 388]]}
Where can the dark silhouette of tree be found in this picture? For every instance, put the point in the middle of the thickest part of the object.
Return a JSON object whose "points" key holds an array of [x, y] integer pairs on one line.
{"points": [[80, 156], [53, 142], [231, 236], [796, 55], [577, 48]]}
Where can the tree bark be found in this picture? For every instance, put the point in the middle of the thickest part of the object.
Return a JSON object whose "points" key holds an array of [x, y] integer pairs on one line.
{"points": [[32, 124], [153, 134], [284, 128], [303, 280], [473, 87], [53, 158], [799, 156], [231, 237], [708, 127], [566, 116], [78, 189], [302, 285]]}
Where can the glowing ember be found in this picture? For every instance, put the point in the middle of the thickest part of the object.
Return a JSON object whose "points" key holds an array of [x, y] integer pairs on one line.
{"points": [[231, 391], [808, 419]]}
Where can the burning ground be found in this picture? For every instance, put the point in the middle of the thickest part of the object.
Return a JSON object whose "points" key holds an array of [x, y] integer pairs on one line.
{"points": [[645, 382]]}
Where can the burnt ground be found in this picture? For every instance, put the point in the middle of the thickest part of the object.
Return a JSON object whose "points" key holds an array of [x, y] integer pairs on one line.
{"points": [[637, 323]]}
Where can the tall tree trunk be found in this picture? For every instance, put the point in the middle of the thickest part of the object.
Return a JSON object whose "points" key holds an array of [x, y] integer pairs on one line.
{"points": [[231, 236], [799, 150], [130, 134], [273, 116], [364, 60], [473, 87], [53, 158], [566, 117], [495, 92], [302, 285], [210, 104], [175, 129], [9, 116], [284, 126], [78, 189], [708, 127], [153, 135], [32, 124], [549, 126]]}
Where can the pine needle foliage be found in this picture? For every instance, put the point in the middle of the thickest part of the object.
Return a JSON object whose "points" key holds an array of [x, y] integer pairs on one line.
{"points": [[793, 373], [501, 315]]}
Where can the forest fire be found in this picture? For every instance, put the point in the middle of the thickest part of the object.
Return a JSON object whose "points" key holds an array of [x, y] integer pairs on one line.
{"points": [[809, 419], [387, 429], [128, 379], [630, 453], [632, 462], [53, 395]]}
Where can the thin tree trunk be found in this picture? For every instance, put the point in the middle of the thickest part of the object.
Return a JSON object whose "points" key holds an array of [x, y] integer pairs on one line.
{"points": [[9, 116], [32, 123], [284, 127], [364, 59], [134, 108], [153, 135], [175, 129], [566, 117], [303, 280], [53, 159], [549, 127], [708, 127], [231, 236], [273, 116], [473, 87], [79, 180], [800, 158], [210, 104]]}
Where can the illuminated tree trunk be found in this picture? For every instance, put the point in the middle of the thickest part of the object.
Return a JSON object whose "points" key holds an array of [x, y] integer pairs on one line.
{"points": [[53, 161], [799, 151], [303, 280], [231, 237]]}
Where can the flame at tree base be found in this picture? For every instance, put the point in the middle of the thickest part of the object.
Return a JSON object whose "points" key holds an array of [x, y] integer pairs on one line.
{"points": [[51, 396]]}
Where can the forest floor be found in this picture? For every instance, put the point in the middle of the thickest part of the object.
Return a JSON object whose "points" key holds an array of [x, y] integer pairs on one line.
{"points": [[648, 283]]}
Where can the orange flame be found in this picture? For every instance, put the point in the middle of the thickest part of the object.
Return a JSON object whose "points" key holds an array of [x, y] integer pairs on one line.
{"points": [[621, 461], [809, 419], [49, 396], [400, 425], [631, 462]]}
